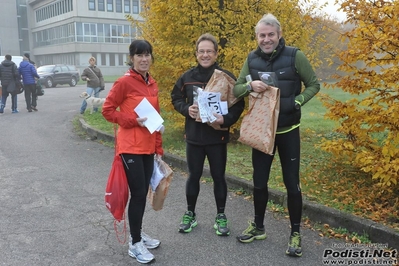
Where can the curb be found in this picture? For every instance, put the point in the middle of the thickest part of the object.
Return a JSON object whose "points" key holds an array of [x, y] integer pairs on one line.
{"points": [[377, 233]]}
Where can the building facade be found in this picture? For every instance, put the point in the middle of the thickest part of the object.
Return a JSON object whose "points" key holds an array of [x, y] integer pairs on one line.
{"points": [[71, 31]]}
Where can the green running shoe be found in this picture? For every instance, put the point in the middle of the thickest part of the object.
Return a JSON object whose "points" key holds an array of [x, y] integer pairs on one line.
{"points": [[294, 246], [188, 222], [251, 233], [221, 225]]}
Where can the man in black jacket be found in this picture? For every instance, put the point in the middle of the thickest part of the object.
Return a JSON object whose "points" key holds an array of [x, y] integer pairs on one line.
{"points": [[8, 73], [202, 139]]}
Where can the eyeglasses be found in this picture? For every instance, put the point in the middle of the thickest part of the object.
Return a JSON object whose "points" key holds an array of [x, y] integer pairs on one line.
{"points": [[210, 52]]}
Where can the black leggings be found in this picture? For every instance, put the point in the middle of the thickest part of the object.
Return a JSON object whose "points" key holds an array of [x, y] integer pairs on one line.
{"points": [[288, 145], [217, 157], [138, 168]]}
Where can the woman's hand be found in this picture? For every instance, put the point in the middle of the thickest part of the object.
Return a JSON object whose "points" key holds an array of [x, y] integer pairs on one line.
{"points": [[141, 121]]}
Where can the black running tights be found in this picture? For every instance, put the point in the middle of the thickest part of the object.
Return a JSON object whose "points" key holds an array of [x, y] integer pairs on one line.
{"points": [[288, 145], [217, 157], [138, 168]]}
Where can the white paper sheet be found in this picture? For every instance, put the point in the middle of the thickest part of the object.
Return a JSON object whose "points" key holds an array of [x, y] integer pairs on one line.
{"points": [[154, 120], [209, 103]]}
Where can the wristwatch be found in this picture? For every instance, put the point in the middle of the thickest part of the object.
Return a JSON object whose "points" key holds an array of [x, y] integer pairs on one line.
{"points": [[297, 105], [249, 88]]}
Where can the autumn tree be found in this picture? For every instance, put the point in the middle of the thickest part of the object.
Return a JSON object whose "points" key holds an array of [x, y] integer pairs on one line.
{"points": [[173, 27], [330, 31], [369, 123]]}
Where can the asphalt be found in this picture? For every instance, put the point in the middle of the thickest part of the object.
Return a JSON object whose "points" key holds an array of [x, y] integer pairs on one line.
{"points": [[52, 208]]}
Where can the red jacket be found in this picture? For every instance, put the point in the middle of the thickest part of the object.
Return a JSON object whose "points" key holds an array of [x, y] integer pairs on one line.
{"points": [[126, 93]]}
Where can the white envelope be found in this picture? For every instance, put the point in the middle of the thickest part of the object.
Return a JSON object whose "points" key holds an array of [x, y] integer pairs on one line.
{"points": [[154, 120]]}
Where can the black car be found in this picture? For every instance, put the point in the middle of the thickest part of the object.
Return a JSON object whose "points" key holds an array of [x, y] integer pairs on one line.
{"points": [[51, 75]]}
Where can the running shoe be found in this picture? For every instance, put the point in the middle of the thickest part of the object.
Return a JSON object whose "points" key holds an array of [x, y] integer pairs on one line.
{"points": [[221, 225], [150, 242], [294, 246], [188, 222], [251, 233], [140, 252]]}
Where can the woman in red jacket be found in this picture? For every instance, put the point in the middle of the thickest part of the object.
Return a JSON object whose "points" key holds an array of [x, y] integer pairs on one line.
{"points": [[135, 144]]}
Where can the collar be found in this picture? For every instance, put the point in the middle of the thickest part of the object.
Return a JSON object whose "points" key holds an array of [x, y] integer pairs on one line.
{"points": [[144, 78]]}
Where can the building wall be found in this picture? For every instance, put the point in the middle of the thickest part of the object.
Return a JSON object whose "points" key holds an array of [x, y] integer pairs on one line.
{"points": [[61, 36], [9, 36]]}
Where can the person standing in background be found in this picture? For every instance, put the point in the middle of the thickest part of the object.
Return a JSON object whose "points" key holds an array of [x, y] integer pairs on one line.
{"points": [[292, 69], [95, 81], [29, 73], [135, 144], [8, 72], [30, 61], [202, 139]]}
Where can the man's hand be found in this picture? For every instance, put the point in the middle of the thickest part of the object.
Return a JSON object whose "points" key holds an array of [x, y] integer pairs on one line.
{"points": [[219, 119], [193, 111], [259, 86]]}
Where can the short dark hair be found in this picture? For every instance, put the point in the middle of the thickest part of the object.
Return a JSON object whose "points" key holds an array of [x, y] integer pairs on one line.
{"points": [[8, 57], [140, 47], [207, 37]]}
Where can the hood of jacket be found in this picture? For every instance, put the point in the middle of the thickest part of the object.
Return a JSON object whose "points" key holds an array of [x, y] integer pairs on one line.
{"points": [[24, 63], [7, 63]]}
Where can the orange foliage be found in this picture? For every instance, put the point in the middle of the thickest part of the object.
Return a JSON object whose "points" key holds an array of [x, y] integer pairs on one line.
{"points": [[173, 26], [369, 125]]}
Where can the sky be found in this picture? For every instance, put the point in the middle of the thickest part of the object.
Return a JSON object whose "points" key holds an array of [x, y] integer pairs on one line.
{"points": [[331, 9]]}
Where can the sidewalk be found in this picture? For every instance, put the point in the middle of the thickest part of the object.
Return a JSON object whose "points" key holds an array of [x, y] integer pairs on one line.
{"points": [[377, 233]]}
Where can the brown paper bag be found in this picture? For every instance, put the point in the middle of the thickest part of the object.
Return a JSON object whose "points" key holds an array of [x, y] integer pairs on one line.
{"points": [[157, 197], [259, 125], [223, 83]]}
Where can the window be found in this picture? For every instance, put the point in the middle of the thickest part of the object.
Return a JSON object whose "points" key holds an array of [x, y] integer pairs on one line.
{"points": [[100, 32], [110, 5], [127, 6], [107, 32], [103, 59], [121, 60], [112, 59], [118, 6], [135, 6], [89, 32], [101, 6]]}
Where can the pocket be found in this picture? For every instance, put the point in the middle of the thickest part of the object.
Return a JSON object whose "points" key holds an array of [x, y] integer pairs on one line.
{"points": [[287, 105]]}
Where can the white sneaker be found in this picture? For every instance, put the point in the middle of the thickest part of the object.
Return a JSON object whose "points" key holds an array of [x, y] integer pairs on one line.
{"points": [[148, 241], [140, 252]]}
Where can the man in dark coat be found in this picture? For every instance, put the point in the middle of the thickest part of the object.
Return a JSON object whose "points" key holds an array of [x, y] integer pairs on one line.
{"points": [[8, 73]]}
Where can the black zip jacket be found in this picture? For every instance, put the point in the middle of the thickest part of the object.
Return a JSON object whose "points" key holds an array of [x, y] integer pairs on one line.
{"points": [[6, 72], [182, 98]]}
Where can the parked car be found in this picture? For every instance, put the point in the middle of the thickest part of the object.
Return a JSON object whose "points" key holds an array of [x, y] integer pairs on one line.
{"points": [[51, 75]]}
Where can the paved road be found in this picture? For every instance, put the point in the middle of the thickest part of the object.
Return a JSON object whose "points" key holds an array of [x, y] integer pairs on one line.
{"points": [[52, 209]]}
